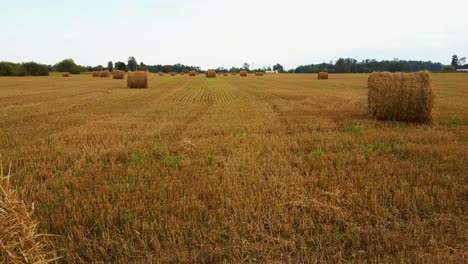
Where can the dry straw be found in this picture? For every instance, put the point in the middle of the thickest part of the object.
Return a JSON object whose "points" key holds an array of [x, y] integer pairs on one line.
{"points": [[323, 75], [138, 79], [243, 73], [66, 74], [259, 74], [211, 74], [192, 73], [406, 97], [105, 74], [19, 241], [96, 73], [118, 74]]}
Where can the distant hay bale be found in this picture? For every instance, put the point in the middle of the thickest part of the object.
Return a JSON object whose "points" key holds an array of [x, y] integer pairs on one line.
{"points": [[323, 75], [182, 73], [19, 241], [243, 73], [259, 74], [66, 74], [104, 74], [137, 79], [160, 73], [192, 73], [225, 74], [173, 73], [118, 74], [96, 74], [211, 74], [406, 97], [233, 73]]}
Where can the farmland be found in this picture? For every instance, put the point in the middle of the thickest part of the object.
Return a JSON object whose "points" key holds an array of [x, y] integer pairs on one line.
{"points": [[278, 168]]}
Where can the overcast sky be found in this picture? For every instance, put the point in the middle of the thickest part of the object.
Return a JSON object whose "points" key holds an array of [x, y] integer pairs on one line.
{"points": [[210, 33]]}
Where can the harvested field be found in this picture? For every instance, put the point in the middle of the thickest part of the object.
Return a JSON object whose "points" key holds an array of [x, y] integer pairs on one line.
{"points": [[282, 169]]}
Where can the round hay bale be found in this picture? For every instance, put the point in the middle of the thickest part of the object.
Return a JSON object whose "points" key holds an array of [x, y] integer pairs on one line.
{"points": [[104, 74], [118, 74], [19, 240], [225, 74], [192, 73], [138, 79], [243, 73], [96, 74], [259, 74], [406, 97], [66, 74], [160, 73], [173, 73], [211, 74], [323, 76]]}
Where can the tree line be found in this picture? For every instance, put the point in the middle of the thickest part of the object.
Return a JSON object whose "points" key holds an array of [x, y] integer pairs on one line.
{"points": [[342, 65]]}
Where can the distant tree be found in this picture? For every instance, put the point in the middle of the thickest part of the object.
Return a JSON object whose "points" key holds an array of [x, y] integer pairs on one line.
{"points": [[121, 66], [132, 64], [34, 69], [454, 61], [110, 66], [67, 65], [278, 67], [142, 67], [448, 68], [246, 66]]}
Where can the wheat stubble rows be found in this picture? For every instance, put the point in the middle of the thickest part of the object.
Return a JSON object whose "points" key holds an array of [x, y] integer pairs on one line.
{"points": [[280, 168]]}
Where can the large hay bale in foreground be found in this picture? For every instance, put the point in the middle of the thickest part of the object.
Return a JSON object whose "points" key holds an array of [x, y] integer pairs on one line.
{"points": [[211, 74], [118, 74], [66, 74], [259, 74], [243, 73], [400, 96], [138, 79], [323, 76], [104, 74], [192, 73], [96, 74], [19, 241]]}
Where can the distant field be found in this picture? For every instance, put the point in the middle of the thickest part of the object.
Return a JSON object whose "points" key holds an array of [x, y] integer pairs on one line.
{"points": [[279, 168]]}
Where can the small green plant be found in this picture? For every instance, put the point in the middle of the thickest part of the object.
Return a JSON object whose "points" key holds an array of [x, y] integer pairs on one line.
{"points": [[136, 159], [355, 128], [243, 134], [172, 161], [454, 122], [130, 217], [318, 152], [157, 152], [212, 158]]}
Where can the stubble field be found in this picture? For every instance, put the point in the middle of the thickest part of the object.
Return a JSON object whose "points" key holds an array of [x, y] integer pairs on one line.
{"points": [[279, 168]]}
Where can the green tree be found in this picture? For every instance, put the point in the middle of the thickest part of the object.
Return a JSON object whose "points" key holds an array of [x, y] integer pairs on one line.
{"points": [[448, 68], [67, 65], [245, 66], [121, 66], [132, 64], [278, 67], [110, 66]]}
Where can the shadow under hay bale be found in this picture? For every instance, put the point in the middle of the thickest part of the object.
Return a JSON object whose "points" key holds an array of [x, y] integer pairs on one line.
{"points": [[243, 73], [96, 74], [211, 74], [322, 76], [104, 74], [118, 74], [406, 97], [138, 79], [66, 74]]}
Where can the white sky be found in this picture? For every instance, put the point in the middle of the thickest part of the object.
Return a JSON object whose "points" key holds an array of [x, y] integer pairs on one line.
{"points": [[211, 33]]}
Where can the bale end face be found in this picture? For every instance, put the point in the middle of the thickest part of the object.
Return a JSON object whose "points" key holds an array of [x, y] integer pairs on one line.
{"points": [[173, 73], [211, 74], [118, 74], [243, 73], [406, 97], [259, 74], [66, 74], [137, 79], [323, 75], [192, 73], [104, 74]]}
